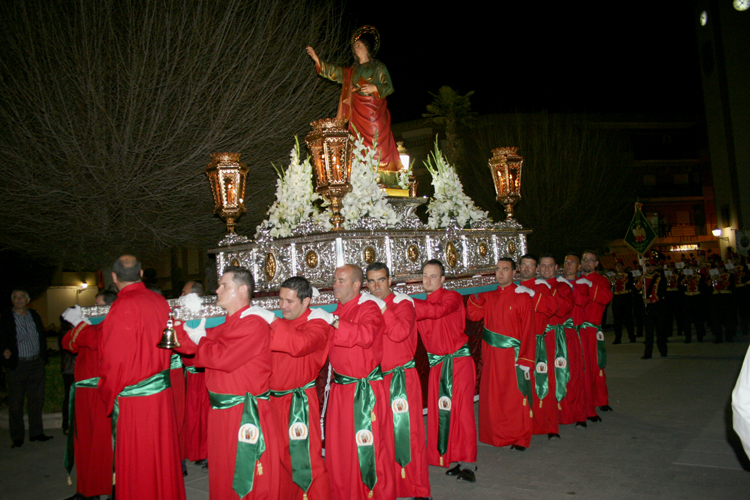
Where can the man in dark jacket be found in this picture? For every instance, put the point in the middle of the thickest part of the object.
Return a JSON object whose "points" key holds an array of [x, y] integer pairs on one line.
{"points": [[24, 353]]}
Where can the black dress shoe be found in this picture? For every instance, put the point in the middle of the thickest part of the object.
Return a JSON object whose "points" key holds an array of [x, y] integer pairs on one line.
{"points": [[595, 419], [553, 435], [17, 443], [517, 447], [581, 425], [455, 471], [201, 462], [467, 476], [605, 408], [40, 437], [645, 357], [616, 342]]}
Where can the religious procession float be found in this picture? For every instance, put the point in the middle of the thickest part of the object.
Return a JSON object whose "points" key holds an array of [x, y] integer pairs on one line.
{"points": [[353, 200]]}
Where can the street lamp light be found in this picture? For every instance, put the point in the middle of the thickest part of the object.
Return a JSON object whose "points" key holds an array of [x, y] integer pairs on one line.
{"points": [[717, 232]]}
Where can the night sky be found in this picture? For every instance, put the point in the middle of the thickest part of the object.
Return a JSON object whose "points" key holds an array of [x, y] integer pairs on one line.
{"points": [[607, 57]]}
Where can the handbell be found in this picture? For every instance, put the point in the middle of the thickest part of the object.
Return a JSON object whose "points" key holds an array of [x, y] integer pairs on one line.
{"points": [[169, 335]]}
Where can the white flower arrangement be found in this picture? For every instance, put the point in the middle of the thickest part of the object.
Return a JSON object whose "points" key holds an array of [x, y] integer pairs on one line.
{"points": [[449, 201], [366, 198], [294, 197]]}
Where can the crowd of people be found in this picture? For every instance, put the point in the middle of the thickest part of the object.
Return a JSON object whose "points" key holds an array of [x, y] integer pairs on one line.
{"points": [[689, 294], [241, 397]]}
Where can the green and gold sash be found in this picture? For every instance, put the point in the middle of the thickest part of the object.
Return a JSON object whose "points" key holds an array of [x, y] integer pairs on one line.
{"points": [[250, 441], [445, 394], [562, 370], [601, 351], [541, 384], [299, 434], [400, 411], [501, 341], [364, 404]]}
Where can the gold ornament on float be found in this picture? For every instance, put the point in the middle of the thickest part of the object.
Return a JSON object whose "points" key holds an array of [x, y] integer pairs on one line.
{"points": [[311, 259], [506, 165], [270, 266], [331, 146], [368, 254], [451, 254]]}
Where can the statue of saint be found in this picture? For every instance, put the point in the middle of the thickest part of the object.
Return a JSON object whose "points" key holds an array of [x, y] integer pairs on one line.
{"points": [[364, 89]]}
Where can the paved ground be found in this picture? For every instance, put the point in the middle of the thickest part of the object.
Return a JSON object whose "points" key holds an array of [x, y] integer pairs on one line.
{"points": [[669, 437]]}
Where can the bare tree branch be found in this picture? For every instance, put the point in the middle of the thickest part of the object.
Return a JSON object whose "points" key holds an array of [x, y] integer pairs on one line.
{"points": [[111, 110]]}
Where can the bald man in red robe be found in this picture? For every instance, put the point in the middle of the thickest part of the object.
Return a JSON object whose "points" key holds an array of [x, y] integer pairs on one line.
{"points": [[505, 394], [134, 385], [359, 439]]}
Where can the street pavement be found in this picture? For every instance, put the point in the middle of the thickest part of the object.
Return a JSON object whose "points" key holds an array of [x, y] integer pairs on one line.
{"points": [[669, 437]]}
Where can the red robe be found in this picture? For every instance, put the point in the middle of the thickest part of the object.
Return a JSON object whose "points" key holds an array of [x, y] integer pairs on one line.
{"points": [[356, 350], [197, 409], [504, 414], [93, 429], [399, 346], [600, 294], [299, 349], [177, 379], [441, 321], [147, 455], [237, 359], [563, 295], [545, 415], [574, 408]]}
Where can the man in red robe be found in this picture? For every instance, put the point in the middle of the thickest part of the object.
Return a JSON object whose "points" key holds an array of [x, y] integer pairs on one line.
{"points": [[556, 337], [545, 415], [242, 448], [299, 349], [134, 385], [399, 346], [451, 427], [359, 438], [92, 429], [197, 404], [599, 293], [505, 394], [574, 408]]}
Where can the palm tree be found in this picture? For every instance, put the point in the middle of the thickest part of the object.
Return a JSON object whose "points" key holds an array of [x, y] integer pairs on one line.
{"points": [[451, 110]]}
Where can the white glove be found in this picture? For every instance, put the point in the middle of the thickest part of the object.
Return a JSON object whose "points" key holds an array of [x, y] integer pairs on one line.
{"points": [[319, 313], [542, 282], [584, 281], [191, 302], [197, 333], [315, 292], [368, 296], [398, 297], [523, 289], [267, 315], [73, 315]]}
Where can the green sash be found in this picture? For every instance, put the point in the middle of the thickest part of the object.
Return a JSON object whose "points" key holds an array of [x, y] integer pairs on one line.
{"points": [[400, 411], [147, 387], [364, 403], [250, 441], [501, 341], [541, 383], [191, 369], [445, 394], [69, 460], [175, 362], [299, 434], [601, 351], [562, 370]]}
